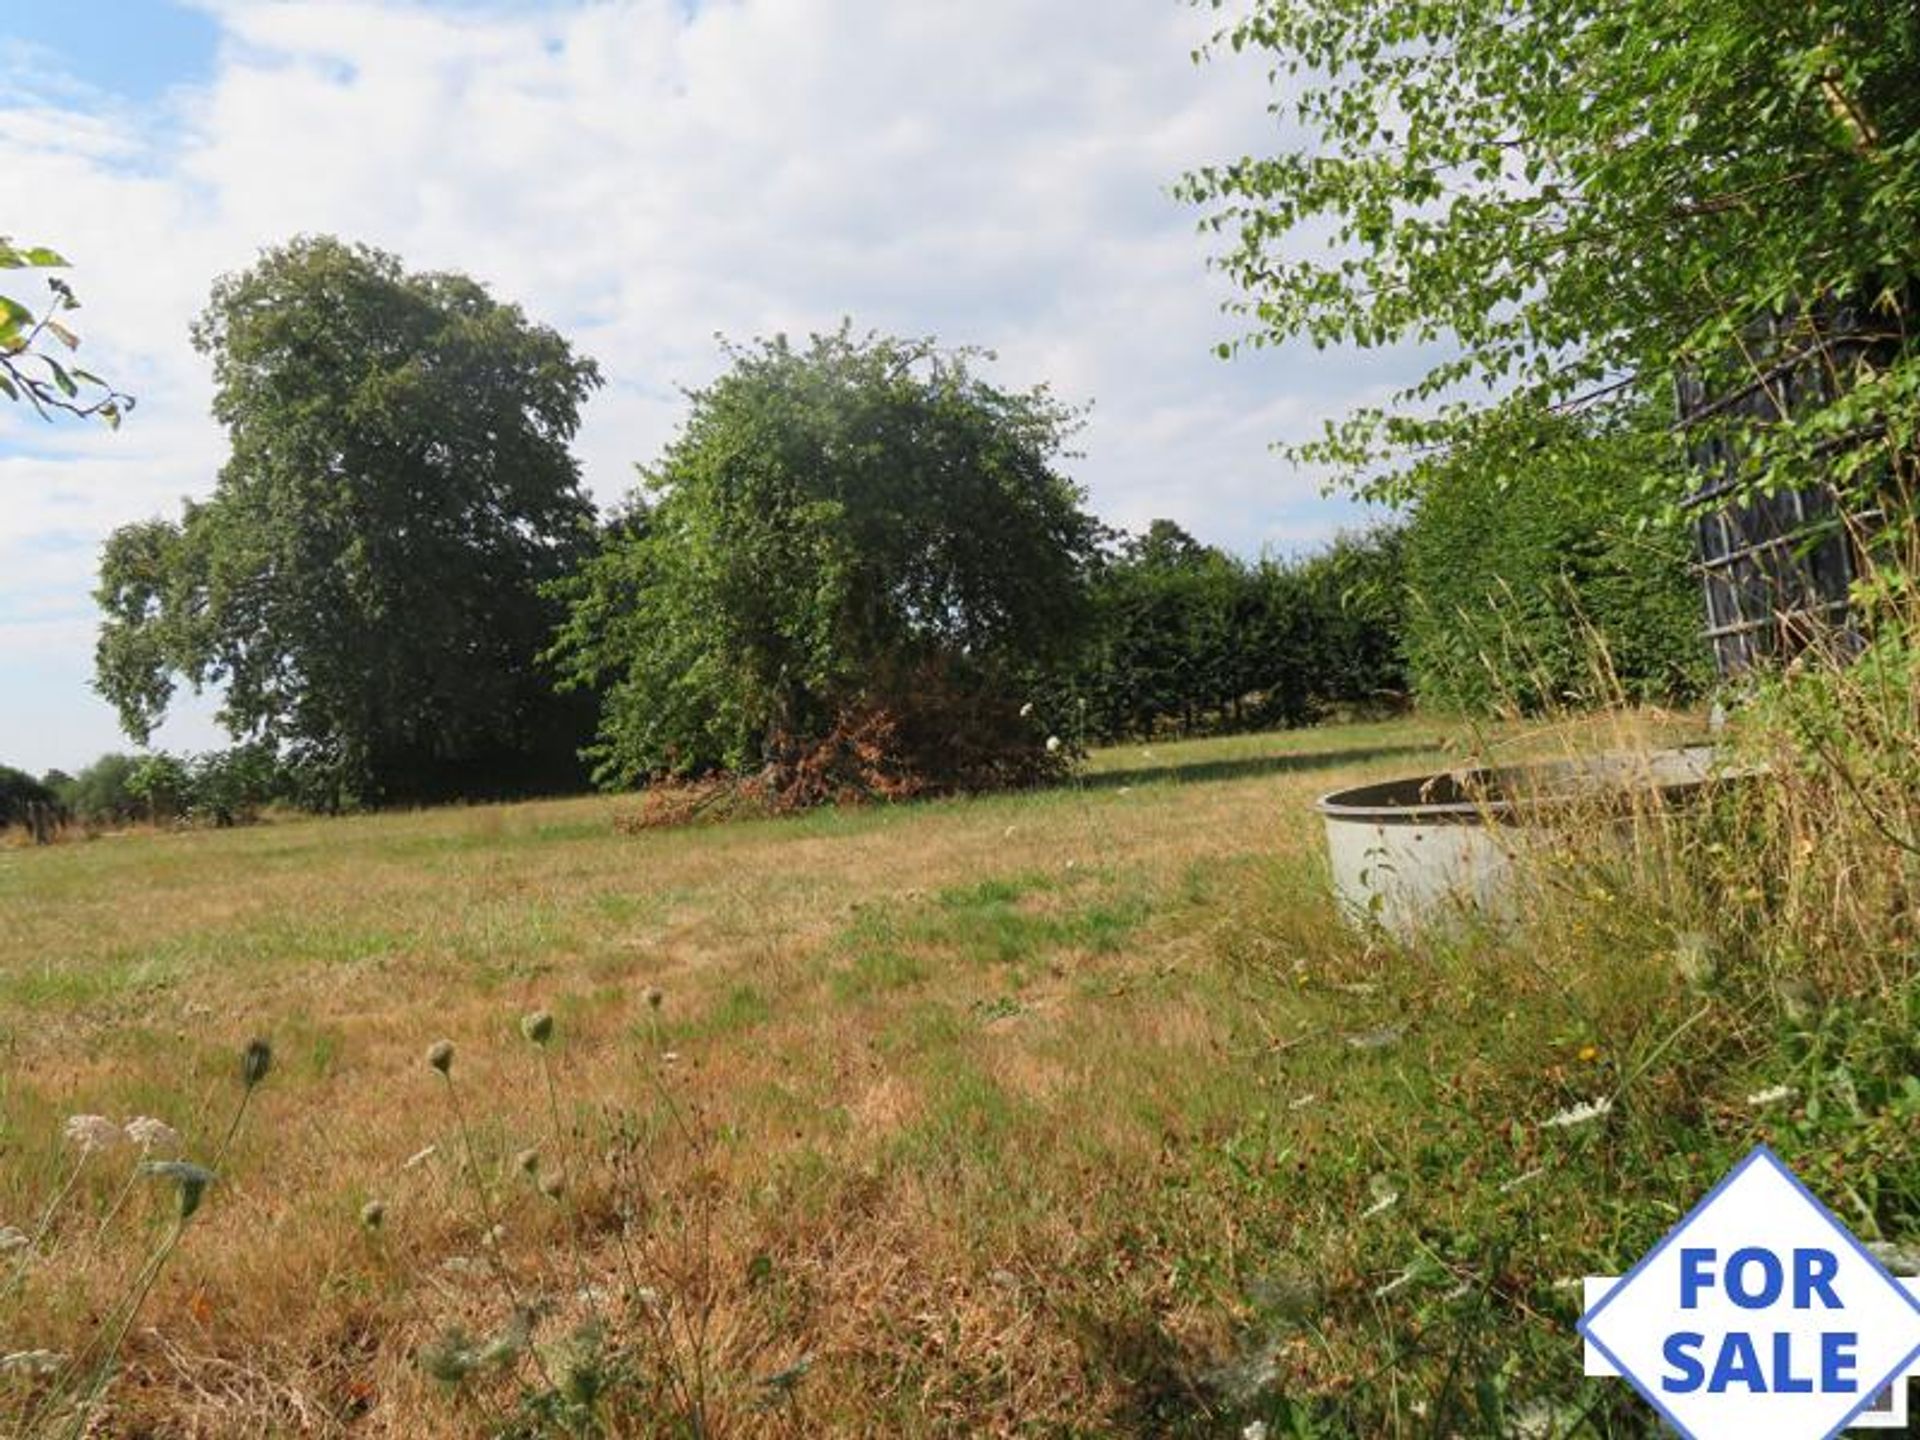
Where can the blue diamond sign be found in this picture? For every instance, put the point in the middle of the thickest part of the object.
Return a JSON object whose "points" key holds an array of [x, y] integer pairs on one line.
{"points": [[1759, 1314]]}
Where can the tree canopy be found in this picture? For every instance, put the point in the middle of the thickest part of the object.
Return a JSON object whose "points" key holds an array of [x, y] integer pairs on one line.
{"points": [[365, 581], [856, 538], [1583, 199]]}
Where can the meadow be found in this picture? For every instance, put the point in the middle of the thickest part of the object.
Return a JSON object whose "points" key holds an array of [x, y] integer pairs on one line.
{"points": [[1071, 1112]]}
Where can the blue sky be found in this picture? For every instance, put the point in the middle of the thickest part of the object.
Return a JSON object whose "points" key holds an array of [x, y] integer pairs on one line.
{"points": [[641, 174]]}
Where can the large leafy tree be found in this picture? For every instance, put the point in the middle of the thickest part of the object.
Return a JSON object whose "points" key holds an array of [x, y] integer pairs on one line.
{"points": [[1582, 200], [857, 541], [365, 581]]}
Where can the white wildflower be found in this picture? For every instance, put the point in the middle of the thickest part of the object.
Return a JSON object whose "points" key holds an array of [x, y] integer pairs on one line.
{"points": [[419, 1158], [670, 1057], [92, 1133], [1254, 1430], [12, 1239], [1026, 711], [32, 1362], [1507, 1187], [1772, 1095], [1579, 1114], [1386, 1202], [1398, 1283], [1053, 744], [151, 1134]]}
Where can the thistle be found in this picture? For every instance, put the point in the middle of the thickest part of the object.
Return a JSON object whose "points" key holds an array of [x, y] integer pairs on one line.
{"points": [[191, 1181], [256, 1061]]}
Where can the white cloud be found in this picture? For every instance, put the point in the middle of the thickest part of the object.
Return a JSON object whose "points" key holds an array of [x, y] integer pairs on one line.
{"points": [[995, 173]]}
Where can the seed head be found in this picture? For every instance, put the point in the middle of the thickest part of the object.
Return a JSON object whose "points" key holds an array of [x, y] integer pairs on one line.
{"points": [[440, 1056], [1053, 744], [256, 1061], [191, 1181], [537, 1027], [655, 996], [373, 1214]]}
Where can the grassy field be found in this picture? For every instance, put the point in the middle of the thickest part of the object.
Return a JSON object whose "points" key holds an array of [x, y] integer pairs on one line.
{"points": [[1065, 1113]]}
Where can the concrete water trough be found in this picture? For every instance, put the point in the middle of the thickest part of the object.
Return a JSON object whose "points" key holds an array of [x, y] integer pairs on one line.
{"points": [[1406, 852]]}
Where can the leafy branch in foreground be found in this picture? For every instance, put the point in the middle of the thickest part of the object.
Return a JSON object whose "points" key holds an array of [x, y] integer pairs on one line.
{"points": [[1581, 201], [29, 369]]}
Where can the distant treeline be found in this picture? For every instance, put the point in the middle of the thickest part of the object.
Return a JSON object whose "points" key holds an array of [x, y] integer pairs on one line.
{"points": [[857, 570]]}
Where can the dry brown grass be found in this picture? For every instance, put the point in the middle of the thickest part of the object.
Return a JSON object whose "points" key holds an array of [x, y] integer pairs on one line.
{"points": [[935, 1108]]}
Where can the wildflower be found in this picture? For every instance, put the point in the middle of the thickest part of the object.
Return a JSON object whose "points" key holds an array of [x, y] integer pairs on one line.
{"points": [[1579, 1114], [151, 1134], [1388, 1199], [419, 1158], [1254, 1430], [32, 1362], [1589, 1052], [527, 1162], [191, 1179], [537, 1027], [1053, 744], [655, 996], [1026, 711], [1399, 1282], [373, 1214], [440, 1056], [670, 1057], [1773, 1095], [1507, 1187], [12, 1239], [256, 1061], [92, 1133]]}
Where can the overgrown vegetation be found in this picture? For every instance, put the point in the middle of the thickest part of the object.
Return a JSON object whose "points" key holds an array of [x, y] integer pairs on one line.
{"points": [[835, 578], [1553, 579], [1187, 639]]}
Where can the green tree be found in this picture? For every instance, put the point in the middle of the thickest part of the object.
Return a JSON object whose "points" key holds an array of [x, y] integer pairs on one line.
{"points": [[1584, 200], [1555, 582], [31, 370], [365, 582], [861, 537]]}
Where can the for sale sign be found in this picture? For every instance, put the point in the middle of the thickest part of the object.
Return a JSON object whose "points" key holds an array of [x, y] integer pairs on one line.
{"points": [[1758, 1316]]}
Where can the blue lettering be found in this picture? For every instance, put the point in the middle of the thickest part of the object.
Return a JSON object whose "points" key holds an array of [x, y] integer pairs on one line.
{"points": [[1688, 1372], [1813, 1272], [1783, 1381], [1739, 1364], [1837, 1361], [1770, 1278], [1696, 1274]]}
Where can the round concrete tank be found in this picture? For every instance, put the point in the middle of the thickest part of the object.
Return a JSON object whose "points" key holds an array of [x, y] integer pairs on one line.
{"points": [[1405, 851]]}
